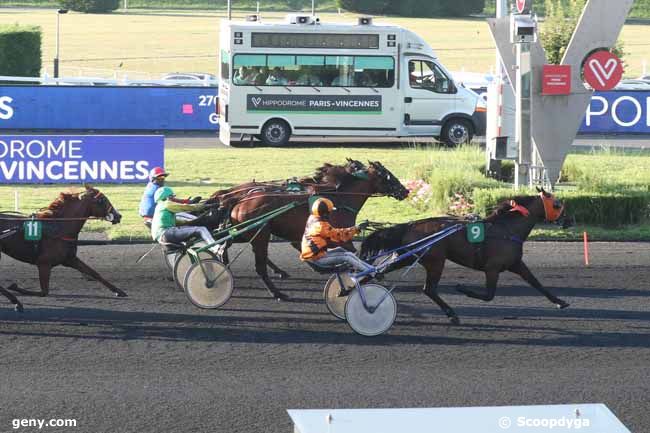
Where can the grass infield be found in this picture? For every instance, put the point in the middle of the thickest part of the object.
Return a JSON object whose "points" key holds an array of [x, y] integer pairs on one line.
{"points": [[203, 171]]}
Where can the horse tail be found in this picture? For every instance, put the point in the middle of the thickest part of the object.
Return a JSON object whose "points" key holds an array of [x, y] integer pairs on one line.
{"points": [[383, 240]]}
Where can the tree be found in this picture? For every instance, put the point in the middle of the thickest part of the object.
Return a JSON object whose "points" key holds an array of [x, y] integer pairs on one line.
{"points": [[561, 21], [20, 51], [90, 6]]}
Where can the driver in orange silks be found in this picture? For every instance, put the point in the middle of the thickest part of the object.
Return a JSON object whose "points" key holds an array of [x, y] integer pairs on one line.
{"points": [[320, 235]]}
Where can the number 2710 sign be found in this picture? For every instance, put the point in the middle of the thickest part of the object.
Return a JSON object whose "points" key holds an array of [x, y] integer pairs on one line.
{"points": [[475, 233], [33, 230]]}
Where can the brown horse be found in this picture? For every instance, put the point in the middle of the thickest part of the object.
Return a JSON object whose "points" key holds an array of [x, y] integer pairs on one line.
{"points": [[349, 189], [62, 221], [326, 178], [506, 231]]}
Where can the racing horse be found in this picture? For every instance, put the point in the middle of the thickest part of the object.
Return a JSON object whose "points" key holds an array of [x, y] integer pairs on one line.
{"points": [[506, 230], [348, 189], [62, 221], [326, 177]]}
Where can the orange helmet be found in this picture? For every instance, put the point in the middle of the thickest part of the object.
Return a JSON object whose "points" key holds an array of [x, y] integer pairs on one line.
{"points": [[322, 207]]}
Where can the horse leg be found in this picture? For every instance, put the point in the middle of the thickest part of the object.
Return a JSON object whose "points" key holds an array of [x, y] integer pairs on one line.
{"points": [[261, 250], [522, 270], [77, 264], [44, 271], [434, 272], [491, 280], [282, 274], [12, 298]]}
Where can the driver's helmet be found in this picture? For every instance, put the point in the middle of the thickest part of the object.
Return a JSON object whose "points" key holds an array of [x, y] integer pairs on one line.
{"points": [[163, 194], [322, 207], [157, 172]]}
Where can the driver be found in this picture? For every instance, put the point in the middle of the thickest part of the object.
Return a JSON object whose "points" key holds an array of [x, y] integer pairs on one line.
{"points": [[164, 224], [157, 177], [320, 235]]}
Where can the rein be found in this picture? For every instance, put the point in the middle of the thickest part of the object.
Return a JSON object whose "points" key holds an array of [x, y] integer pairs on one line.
{"points": [[33, 218]]}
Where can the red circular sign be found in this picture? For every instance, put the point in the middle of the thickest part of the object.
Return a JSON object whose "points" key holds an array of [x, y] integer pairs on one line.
{"points": [[603, 70], [521, 6]]}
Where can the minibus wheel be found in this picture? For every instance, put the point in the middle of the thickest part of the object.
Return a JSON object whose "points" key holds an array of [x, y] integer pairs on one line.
{"points": [[456, 132], [276, 132]]}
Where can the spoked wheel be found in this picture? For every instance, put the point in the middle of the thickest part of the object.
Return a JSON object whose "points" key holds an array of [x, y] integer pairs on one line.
{"points": [[332, 294], [183, 263], [378, 317], [211, 289]]}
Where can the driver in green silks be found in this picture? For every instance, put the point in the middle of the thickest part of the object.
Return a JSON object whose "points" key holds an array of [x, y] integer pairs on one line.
{"points": [[164, 227]]}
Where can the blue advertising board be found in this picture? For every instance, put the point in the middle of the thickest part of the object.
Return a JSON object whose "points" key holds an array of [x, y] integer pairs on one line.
{"points": [[108, 108], [79, 158], [194, 109], [618, 112]]}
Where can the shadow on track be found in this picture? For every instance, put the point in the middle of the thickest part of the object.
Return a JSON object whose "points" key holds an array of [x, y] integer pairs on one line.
{"points": [[100, 324]]}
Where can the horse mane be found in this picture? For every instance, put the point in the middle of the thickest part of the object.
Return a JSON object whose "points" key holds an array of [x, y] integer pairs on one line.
{"points": [[55, 208], [385, 239], [331, 174], [503, 209]]}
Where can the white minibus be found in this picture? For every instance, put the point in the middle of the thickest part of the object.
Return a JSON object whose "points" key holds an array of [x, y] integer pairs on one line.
{"points": [[307, 78]]}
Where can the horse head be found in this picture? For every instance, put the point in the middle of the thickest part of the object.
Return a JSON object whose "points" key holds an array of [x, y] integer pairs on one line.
{"points": [[544, 206], [99, 205], [385, 182]]}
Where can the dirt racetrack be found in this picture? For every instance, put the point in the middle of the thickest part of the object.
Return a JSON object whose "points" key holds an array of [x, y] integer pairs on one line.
{"points": [[154, 363]]}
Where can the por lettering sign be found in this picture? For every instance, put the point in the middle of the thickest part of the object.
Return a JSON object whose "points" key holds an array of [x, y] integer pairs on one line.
{"points": [[603, 70]]}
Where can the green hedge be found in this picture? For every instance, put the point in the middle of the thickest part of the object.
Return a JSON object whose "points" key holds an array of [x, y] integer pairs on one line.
{"points": [[20, 51], [414, 8], [603, 209], [90, 6]]}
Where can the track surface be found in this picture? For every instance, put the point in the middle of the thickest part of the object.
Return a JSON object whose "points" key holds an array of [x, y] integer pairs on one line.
{"points": [[154, 363]]}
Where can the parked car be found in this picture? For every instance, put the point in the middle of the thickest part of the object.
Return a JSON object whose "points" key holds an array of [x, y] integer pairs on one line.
{"points": [[191, 78], [633, 85]]}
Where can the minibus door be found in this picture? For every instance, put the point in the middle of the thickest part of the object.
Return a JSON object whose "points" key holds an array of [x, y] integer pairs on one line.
{"points": [[428, 97]]}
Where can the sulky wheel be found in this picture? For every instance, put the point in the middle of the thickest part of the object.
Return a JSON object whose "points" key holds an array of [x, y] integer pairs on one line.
{"points": [[211, 289], [183, 263], [378, 317], [332, 294]]}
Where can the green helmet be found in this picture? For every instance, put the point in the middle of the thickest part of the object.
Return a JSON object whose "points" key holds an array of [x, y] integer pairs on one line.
{"points": [[163, 194]]}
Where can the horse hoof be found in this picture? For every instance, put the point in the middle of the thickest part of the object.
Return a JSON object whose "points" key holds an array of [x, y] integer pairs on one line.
{"points": [[13, 286], [19, 308], [281, 297], [562, 305], [454, 320], [282, 275], [121, 294]]}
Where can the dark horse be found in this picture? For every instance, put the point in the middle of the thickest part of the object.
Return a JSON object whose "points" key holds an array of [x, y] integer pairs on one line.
{"points": [[507, 229], [62, 221], [348, 186], [328, 177]]}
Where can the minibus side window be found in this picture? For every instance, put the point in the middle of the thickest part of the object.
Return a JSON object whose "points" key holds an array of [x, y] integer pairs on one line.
{"points": [[428, 76], [309, 70], [225, 65]]}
